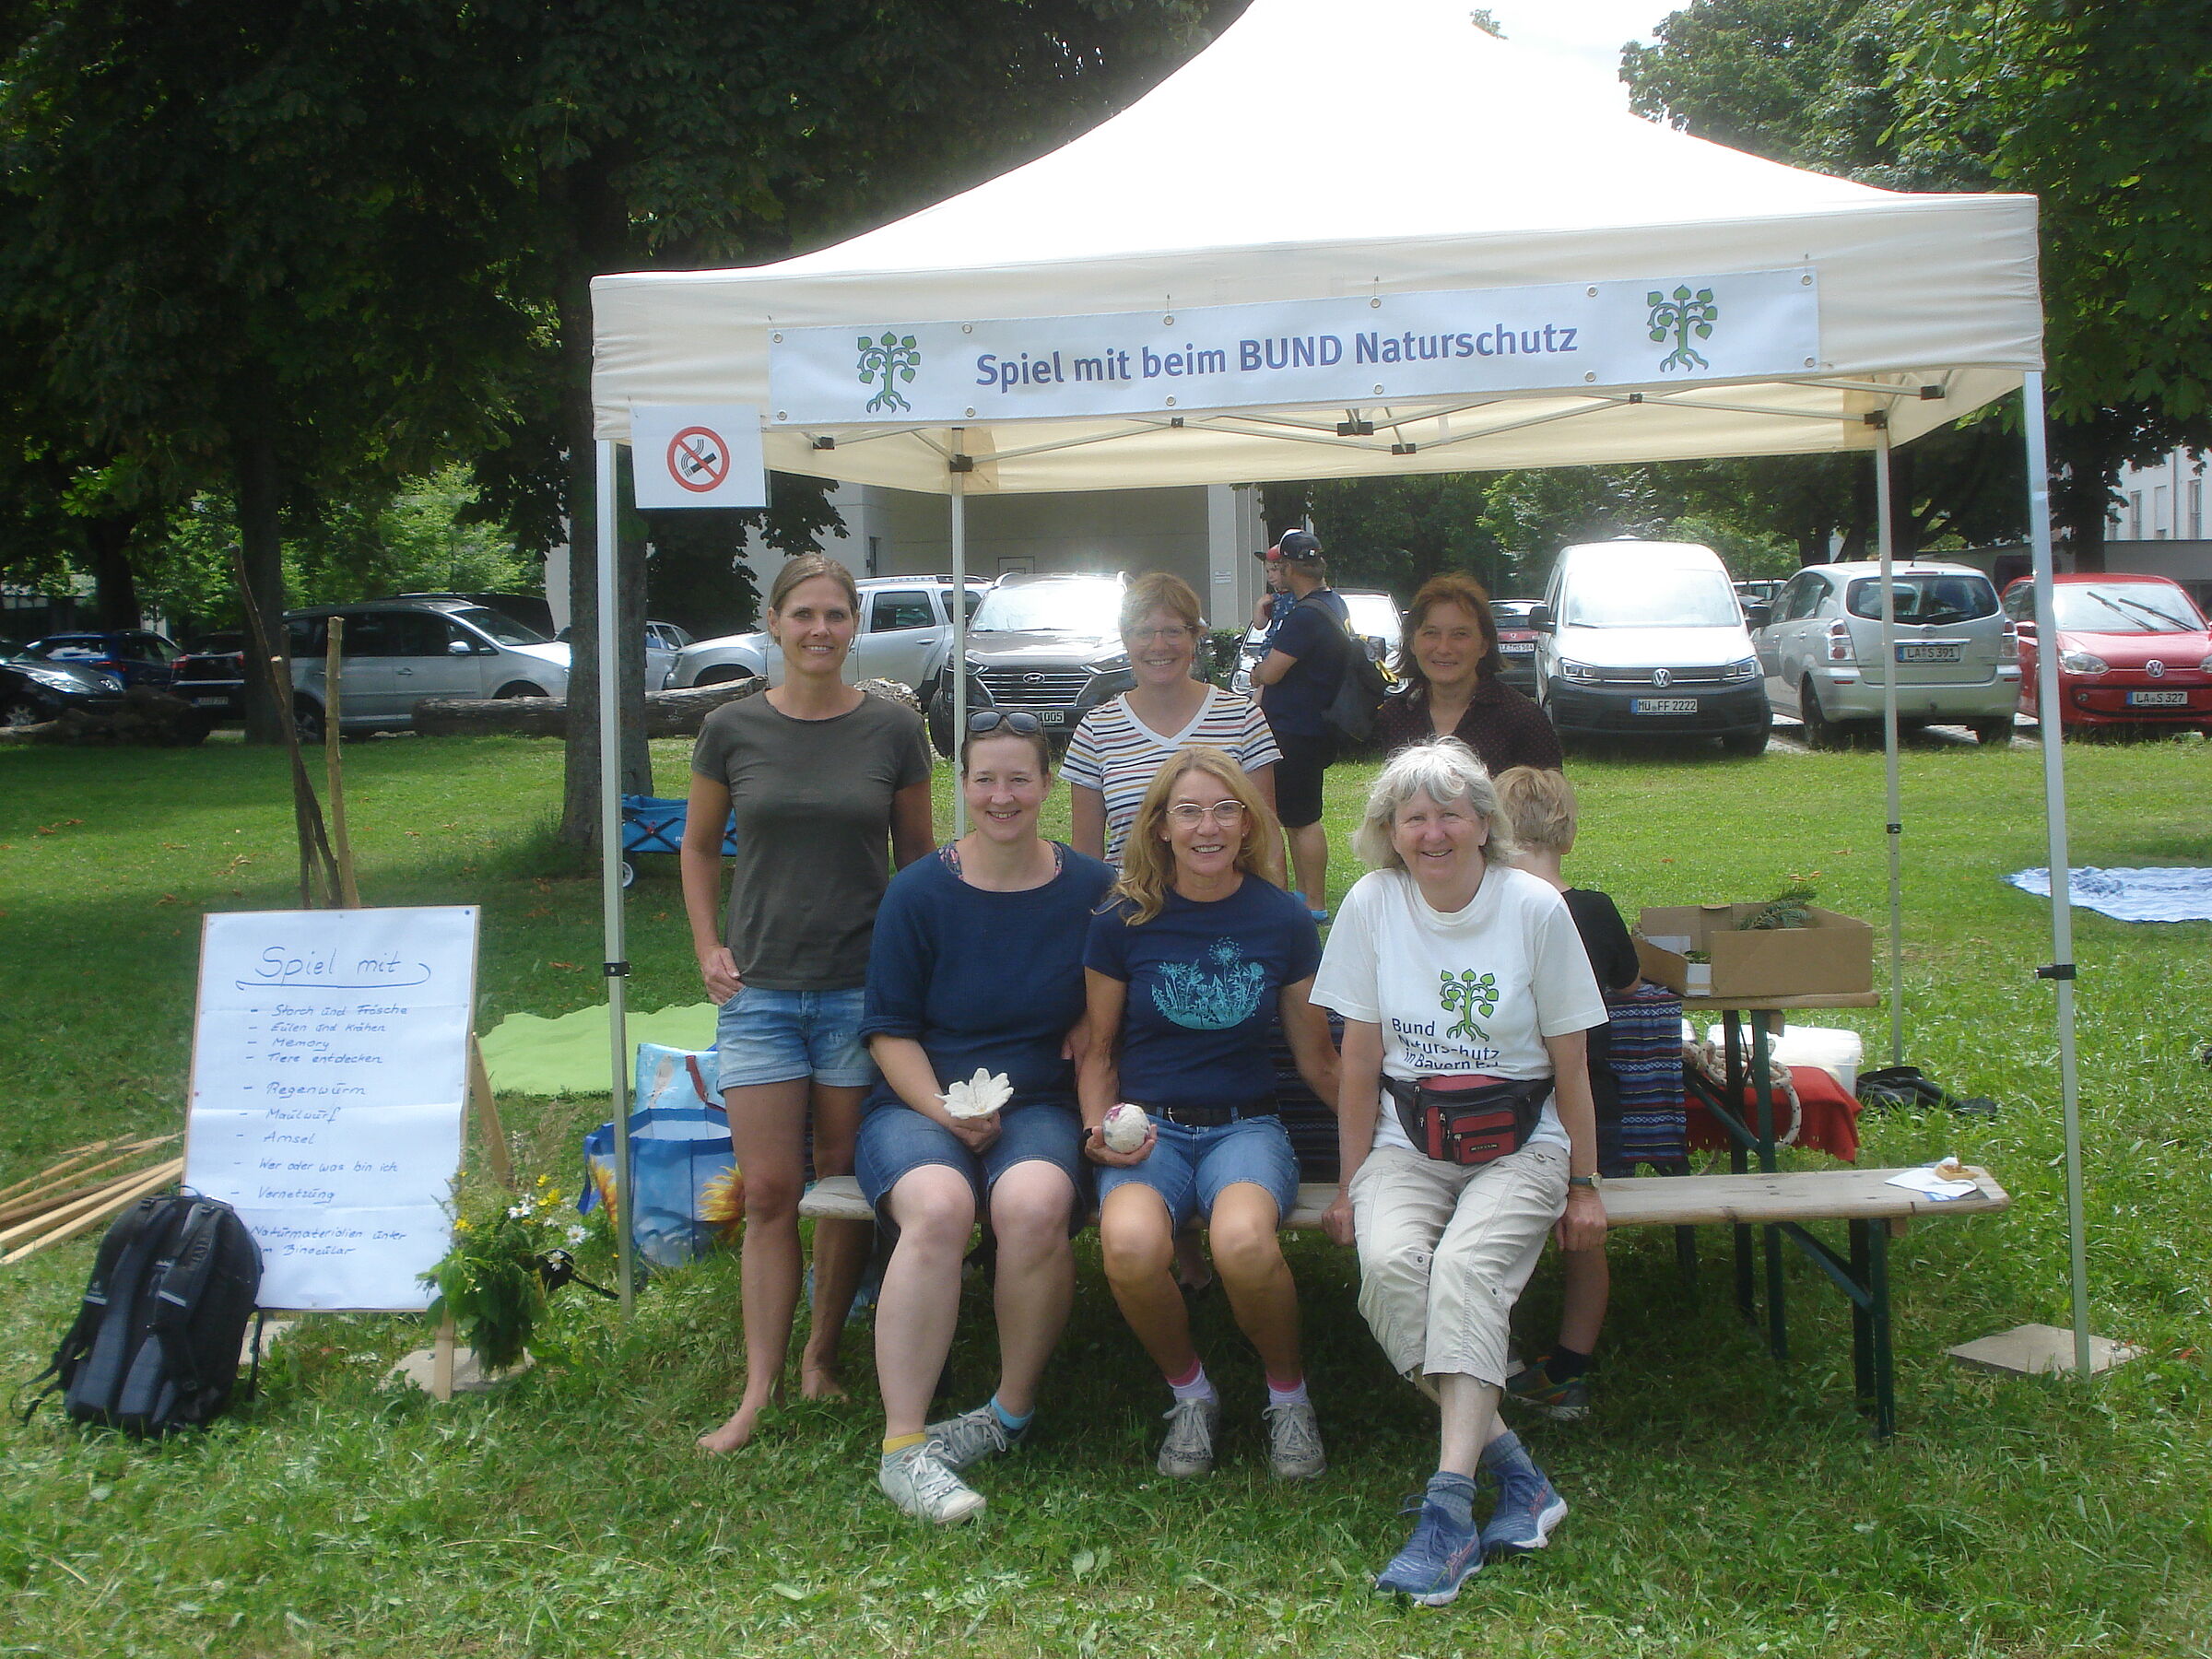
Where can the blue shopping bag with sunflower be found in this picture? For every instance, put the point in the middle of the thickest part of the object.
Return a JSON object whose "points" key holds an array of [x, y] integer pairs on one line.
{"points": [[686, 1194]]}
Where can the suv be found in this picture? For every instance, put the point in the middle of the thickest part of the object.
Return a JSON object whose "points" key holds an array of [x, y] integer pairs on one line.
{"points": [[905, 635], [1957, 662], [397, 652], [136, 657], [1647, 638], [1049, 644]]}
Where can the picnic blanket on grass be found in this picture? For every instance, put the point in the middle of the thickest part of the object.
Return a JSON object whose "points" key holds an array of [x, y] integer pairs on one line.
{"points": [[529, 1054], [2177, 894]]}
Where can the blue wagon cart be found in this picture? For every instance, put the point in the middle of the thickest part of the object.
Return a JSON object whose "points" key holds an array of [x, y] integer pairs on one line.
{"points": [[652, 824]]}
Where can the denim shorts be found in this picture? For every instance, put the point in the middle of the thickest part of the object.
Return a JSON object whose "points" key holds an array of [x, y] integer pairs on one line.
{"points": [[764, 1036], [1188, 1168], [895, 1140]]}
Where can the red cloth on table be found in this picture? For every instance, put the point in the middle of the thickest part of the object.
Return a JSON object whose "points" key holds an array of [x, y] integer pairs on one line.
{"points": [[1829, 1122]]}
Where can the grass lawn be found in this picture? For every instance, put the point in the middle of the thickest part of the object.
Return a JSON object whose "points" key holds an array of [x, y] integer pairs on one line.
{"points": [[1721, 1506]]}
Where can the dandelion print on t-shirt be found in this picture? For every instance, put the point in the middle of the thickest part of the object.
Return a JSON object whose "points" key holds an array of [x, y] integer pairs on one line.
{"points": [[1219, 992]]}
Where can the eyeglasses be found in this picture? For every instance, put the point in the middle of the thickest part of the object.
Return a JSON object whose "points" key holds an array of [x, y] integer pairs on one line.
{"points": [[1189, 812], [1017, 721], [1172, 635]]}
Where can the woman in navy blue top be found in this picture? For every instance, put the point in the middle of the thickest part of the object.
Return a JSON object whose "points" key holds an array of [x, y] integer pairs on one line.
{"points": [[976, 966], [1187, 972]]}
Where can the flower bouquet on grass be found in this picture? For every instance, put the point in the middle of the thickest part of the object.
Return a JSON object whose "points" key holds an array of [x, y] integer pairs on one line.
{"points": [[509, 1251]]}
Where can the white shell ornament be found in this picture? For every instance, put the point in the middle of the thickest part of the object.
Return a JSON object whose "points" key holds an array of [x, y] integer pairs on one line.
{"points": [[1124, 1128], [980, 1096]]}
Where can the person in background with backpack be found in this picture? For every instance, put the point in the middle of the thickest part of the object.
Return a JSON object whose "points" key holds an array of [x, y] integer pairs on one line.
{"points": [[1297, 678]]}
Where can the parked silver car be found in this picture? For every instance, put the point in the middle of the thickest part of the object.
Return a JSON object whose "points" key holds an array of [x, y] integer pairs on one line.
{"points": [[397, 652], [1049, 644], [905, 635], [1958, 661]]}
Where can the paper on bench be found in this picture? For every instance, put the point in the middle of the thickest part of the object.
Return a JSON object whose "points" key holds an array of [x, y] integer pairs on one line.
{"points": [[1926, 1179]]}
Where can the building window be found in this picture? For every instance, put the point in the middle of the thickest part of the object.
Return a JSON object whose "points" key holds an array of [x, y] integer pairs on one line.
{"points": [[2134, 516], [874, 555], [2161, 522], [2196, 509]]}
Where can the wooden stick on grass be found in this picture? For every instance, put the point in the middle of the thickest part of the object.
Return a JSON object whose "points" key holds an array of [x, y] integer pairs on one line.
{"points": [[334, 768], [91, 1200], [133, 1190], [42, 1197], [65, 1163]]}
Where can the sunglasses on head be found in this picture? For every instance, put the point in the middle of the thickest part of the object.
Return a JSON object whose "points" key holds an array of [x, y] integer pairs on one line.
{"points": [[1017, 721]]}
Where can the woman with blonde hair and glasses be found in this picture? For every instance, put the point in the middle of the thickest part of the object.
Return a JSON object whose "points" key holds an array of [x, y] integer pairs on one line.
{"points": [[1187, 967], [1122, 744]]}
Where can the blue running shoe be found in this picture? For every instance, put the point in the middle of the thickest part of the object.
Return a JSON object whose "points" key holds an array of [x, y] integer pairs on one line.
{"points": [[1440, 1557], [1527, 1509]]}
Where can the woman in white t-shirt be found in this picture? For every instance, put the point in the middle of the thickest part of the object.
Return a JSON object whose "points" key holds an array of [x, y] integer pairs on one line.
{"points": [[1447, 963], [1120, 746]]}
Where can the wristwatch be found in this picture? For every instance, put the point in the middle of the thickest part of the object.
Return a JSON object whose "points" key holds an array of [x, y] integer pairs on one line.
{"points": [[1592, 1182]]}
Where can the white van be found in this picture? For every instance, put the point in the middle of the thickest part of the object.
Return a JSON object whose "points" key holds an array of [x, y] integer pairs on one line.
{"points": [[1644, 638]]}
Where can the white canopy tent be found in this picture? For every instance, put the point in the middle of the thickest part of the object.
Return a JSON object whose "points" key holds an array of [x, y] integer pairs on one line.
{"points": [[1348, 241]]}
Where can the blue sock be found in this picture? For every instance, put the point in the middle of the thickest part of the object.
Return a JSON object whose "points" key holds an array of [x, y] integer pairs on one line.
{"points": [[1506, 1452], [1455, 1494], [1013, 1425]]}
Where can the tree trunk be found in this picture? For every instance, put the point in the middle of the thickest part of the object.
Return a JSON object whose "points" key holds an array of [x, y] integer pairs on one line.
{"points": [[115, 585], [260, 496]]}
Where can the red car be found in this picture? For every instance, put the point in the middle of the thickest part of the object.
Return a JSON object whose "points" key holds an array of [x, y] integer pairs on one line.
{"points": [[2133, 651]]}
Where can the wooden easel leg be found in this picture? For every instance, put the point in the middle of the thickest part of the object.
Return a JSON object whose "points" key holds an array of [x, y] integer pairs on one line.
{"points": [[441, 1362], [495, 1133]]}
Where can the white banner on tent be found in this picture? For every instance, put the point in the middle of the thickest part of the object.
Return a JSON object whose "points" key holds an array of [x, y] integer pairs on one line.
{"points": [[1349, 351], [697, 455]]}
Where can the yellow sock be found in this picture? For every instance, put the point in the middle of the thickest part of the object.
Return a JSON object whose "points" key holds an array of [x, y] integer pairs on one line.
{"points": [[899, 1442]]}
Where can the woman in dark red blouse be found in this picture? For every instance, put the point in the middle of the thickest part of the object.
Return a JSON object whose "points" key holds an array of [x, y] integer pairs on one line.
{"points": [[1452, 665]]}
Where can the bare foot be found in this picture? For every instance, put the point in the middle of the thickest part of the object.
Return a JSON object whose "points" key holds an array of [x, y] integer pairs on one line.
{"points": [[735, 1432], [819, 1383]]}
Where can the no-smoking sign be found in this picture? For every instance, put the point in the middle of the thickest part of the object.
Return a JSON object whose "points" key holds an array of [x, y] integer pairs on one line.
{"points": [[697, 455]]}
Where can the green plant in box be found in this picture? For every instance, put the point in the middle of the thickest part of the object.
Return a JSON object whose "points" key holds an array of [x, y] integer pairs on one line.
{"points": [[1790, 907], [492, 1281]]}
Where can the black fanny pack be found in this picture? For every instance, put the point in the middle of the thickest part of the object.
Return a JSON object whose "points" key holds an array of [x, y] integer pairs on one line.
{"points": [[1468, 1119]]}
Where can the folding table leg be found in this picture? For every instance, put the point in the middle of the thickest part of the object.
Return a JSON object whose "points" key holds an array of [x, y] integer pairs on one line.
{"points": [[1878, 1298], [1686, 1256], [1778, 1315], [1862, 1315]]}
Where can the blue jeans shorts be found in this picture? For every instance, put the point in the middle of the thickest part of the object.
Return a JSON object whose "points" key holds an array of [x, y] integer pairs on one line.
{"points": [[765, 1036], [1188, 1168], [895, 1140]]}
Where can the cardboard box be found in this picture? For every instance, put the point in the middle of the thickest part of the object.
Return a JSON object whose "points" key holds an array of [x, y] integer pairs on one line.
{"points": [[1831, 957]]}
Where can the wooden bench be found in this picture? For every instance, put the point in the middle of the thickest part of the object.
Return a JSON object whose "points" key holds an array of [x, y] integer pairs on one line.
{"points": [[1786, 1200]]}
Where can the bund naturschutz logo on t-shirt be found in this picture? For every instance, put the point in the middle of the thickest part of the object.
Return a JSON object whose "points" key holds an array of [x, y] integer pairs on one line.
{"points": [[1455, 1040]]}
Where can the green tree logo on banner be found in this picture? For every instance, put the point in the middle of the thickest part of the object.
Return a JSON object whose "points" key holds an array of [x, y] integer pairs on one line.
{"points": [[895, 358], [1468, 995], [1680, 316]]}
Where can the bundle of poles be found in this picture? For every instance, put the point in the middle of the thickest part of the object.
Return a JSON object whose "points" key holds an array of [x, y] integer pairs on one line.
{"points": [[82, 1190]]}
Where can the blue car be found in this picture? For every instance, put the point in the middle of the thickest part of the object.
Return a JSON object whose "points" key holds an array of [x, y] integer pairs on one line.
{"points": [[33, 690], [136, 657]]}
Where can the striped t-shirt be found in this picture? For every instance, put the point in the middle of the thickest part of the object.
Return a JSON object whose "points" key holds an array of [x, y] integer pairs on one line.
{"points": [[1118, 755]]}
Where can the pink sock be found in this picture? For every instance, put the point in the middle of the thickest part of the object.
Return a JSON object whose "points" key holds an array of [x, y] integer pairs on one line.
{"points": [[1194, 1385]]}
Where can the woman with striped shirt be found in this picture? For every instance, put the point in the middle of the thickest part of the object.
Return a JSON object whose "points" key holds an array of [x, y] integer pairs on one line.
{"points": [[1122, 745]]}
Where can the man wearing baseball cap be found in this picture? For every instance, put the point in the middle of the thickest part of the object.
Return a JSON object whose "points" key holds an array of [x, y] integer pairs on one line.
{"points": [[1298, 678]]}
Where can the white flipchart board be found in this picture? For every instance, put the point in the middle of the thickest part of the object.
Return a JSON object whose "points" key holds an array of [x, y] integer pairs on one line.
{"points": [[329, 1082]]}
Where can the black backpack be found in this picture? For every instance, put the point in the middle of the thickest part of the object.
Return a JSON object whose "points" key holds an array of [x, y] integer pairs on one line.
{"points": [[1361, 688], [156, 1342]]}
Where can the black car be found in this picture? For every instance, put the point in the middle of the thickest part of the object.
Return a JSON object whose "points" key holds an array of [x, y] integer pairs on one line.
{"points": [[33, 690], [211, 674], [137, 656]]}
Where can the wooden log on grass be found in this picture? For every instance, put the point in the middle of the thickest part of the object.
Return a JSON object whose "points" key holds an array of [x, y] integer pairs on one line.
{"points": [[122, 1195], [20, 1204], [145, 716]]}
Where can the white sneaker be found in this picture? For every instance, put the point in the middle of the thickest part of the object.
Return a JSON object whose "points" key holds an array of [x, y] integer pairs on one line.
{"points": [[1189, 1448], [971, 1437], [918, 1482], [1294, 1441]]}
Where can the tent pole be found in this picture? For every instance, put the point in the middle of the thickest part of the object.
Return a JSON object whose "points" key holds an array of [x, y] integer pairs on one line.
{"points": [[2051, 728], [1885, 518], [959, 622], [610, 860]]}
